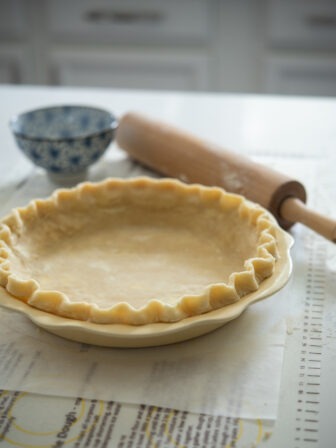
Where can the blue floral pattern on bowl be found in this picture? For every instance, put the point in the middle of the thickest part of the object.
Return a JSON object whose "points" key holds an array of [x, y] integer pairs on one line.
{"points": [[64, 140]]}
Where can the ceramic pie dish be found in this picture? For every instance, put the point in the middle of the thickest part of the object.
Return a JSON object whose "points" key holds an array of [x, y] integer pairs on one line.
{"points": [[122, 261]]}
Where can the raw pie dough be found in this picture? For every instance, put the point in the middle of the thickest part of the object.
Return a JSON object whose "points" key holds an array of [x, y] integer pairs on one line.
{"points": [[136, 251]]}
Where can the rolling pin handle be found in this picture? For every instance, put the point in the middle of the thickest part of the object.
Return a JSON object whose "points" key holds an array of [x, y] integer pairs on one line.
{"points": [[295, 210]]}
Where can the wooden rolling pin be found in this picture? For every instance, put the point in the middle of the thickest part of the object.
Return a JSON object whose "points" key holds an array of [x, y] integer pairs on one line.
{"points": [[175, 153]]}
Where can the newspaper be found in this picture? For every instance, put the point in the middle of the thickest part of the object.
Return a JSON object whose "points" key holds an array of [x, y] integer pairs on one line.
{"points": [[77, 422]]}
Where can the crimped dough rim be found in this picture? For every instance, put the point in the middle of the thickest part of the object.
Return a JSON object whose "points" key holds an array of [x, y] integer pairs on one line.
{"points": [[215, 296]]}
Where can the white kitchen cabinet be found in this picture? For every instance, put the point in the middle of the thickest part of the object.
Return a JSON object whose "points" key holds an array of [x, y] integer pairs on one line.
{"points": [[13, 19], [302, 75], [301, 56], [15, 63], [9, 68], [132, 68], [252, 46], [149, 44], [309, 24], [6, 72], [152, 22]]}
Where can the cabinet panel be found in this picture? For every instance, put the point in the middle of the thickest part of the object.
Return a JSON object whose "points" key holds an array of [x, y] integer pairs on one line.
{"points": [[137, 21], [15, 63], [304, 23], [7, 74], [147, 70], [13, 21], [302, 76]]}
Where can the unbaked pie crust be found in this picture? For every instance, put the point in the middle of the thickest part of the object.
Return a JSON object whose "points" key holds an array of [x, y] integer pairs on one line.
{"points": [[136, 251]]}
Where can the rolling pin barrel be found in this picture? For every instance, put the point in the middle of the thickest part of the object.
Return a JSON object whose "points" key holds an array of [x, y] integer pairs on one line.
{"points": [[175, 153]]}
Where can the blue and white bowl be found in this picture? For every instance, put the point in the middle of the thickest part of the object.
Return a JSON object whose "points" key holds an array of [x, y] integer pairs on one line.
{"points": [[65, 140]]}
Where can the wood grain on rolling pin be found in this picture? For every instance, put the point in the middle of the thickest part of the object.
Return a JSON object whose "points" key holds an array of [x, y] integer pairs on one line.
{"points": [[175, 153]]}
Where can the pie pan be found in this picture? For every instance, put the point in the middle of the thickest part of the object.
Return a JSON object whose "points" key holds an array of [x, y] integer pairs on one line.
{"points": [[141, 262], [150, 335]]}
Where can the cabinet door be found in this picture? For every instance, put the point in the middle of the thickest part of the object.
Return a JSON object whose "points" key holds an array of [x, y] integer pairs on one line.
{"points": [[131, 69], [13, 23], [15, 55], [302, 23], [15, 63], [302, 76], [6, 73], [129, 21]]}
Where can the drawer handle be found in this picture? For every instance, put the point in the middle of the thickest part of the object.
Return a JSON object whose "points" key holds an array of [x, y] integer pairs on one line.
{"points": [[321, 21], [122, 17]]}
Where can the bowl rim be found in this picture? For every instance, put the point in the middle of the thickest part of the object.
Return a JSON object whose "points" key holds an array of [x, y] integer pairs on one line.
{"points": [[13, 120]]}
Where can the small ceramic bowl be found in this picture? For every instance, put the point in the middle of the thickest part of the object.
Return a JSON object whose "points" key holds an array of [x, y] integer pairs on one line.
{"points": [[64, 140]]}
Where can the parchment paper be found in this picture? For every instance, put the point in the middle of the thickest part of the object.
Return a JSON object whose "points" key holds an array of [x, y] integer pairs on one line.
{"points": [[234, 371]]}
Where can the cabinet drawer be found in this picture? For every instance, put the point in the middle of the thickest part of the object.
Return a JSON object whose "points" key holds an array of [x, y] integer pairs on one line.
{"points": [[305, 23], [131, 69], [302, 76], [129, 21]]}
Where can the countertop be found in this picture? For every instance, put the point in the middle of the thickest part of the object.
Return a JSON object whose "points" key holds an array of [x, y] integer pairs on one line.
{"points": [[297, 134]]}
